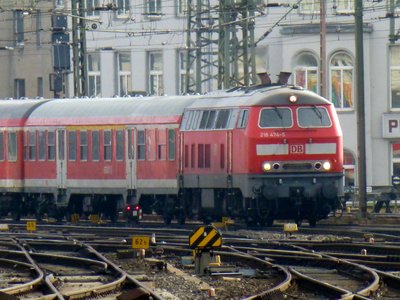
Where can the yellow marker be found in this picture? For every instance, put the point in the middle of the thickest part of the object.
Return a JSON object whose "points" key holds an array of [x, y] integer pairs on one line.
{"points": [[290, 227], [31, 225], [4, 227], [140, 242]]}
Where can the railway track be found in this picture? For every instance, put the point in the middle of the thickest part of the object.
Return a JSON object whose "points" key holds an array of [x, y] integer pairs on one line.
{"points": [[75, 262]]}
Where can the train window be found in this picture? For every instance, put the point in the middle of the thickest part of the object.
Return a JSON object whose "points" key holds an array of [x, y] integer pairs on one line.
{"points": [[95, 145], [83, 147], [243, 118], [107, 145], [187, 120], [32, 145], [61, 144], [131, 150], [278, 117], [141, 145], [12, 146], [204, 118], [222, 119], [51, 145], [42, 145], [171, 144], [196, 119], [313, 117], [26, 147], [161, 147], [120, 143], [1, 146], [71, 145], [211, 119]]}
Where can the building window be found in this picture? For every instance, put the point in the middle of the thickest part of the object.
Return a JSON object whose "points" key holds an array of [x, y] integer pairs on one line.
{"points": [[182, 7], [12, 146], [341, 79], [156, 86], [84, 145], [309, 7], [59, 3], [91, 8], [107, 145], [122, 6], [395, 75], [182, 61], [124, 74], [345, 6], [153, 7], [19, 88], [19, 28], [306, 72], [40, 86], [94, 74]]}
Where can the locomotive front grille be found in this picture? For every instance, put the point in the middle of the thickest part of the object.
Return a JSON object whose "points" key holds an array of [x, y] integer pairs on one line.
{"points": [[297, 166]]}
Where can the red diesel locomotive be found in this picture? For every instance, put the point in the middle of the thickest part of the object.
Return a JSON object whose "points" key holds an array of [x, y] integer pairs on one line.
{"points": [[257, 154]]}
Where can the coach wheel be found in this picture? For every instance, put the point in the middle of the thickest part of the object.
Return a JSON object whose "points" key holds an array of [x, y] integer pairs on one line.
{"points": [[167, 219], [312, 221], [181, 217]]}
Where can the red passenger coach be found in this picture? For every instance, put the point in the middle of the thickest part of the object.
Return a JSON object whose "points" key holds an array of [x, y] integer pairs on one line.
{"points": [[92, 156], [13, 114]]}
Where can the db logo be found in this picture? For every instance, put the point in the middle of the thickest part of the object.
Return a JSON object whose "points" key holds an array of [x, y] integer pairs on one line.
{"points": [[297, 149]]}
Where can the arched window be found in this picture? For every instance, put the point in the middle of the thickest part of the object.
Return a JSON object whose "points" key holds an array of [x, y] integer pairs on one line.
{"points": [[306, 72], [341, 80]]}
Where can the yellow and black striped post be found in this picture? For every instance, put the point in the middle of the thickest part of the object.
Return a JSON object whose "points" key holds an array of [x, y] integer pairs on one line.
{"points": [[203, 240], [205, 237]]}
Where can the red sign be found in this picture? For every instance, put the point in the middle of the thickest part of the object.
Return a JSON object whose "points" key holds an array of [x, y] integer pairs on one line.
{"points": [[296, 149]]}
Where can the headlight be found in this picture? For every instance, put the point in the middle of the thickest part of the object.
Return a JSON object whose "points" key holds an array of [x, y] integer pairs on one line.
{"points": [[266, 166], [326, 165]]}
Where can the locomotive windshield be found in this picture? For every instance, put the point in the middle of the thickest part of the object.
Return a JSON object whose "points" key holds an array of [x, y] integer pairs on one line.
{"points": [[278, 117], [313, 117]]}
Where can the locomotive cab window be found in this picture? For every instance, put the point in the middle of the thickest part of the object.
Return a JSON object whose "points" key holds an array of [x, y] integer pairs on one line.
{"points": [[313, 117], [277, 117], [243, 118]]}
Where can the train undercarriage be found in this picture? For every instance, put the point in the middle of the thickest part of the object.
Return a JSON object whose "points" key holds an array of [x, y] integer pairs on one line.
{"points": [[206, 205]]}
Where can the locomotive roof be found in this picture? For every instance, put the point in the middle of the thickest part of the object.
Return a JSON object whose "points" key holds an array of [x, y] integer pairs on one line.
{"points": [[259, 96], [109, 110]]}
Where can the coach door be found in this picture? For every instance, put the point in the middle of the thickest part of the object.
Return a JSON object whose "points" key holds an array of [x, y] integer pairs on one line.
{"points": [[61, 161], [131, 159]]}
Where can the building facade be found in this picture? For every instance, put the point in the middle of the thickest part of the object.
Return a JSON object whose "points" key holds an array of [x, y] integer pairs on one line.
{"points": [[139, 46]]}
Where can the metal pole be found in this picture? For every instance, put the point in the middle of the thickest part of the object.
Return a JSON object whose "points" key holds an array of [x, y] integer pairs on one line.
{"points": [[322, 75], [361, 157]]}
